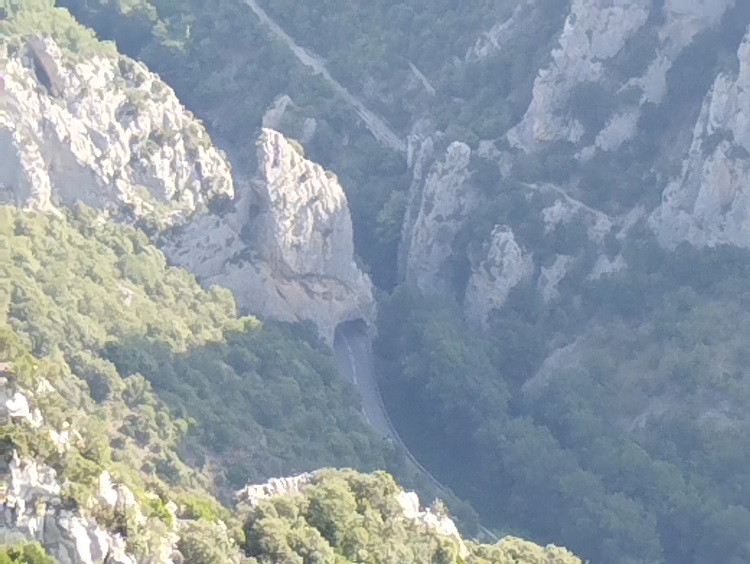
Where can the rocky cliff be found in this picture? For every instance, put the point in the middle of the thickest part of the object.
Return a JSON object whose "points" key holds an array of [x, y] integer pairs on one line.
{"points": [[33, 511], [598, 38], [36, 503], [112, 135], [441, 200], [708, 202], [634, 99], [109, 134], [287, 250]]}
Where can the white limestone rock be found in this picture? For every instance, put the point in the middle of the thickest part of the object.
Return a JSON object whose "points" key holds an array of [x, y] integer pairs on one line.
{"points": [[504, 266], [595, 32], [18, 406], [116, 138], [605, 266], [287, 252], [551, 276], [709, 202], [32, 512], [440, 201], [500, 34], [252, 493], [430, 519]]}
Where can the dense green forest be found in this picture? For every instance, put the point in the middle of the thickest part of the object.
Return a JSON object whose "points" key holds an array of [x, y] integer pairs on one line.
{"points": [[343, 516], [100, 298], [88, 303], [172, 393], [634, 454]]}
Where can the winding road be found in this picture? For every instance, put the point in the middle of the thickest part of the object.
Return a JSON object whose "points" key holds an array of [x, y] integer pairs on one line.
{"points": [[377, 125], [353, 354]]}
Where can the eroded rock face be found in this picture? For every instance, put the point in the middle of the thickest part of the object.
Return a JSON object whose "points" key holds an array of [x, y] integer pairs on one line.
{"points": [[594, 34], [709, 203], [109, 133], [505, 265], [440, 201], [287, 252], [33, 512], [595, 31], [252, 493], [499, 35]]}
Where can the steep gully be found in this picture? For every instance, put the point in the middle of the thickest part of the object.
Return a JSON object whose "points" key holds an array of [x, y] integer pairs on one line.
{"points": [[353, 354]]}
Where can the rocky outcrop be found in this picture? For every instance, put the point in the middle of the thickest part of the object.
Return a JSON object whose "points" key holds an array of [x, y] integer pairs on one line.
{"points": [[431, 519], [287, 251], [498, 36], [252, 493], [709, 202], [440, 201], [595, 33], [33, 511], [104, 131], [551, 276], [505, 265]]}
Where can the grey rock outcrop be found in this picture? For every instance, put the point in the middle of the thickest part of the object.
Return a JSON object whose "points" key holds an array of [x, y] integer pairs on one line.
{"points": [[551, 276], [34, 503], [505, 265], [595, 32], [108, 133], [33, 512], [430, 518], [440, 201], [498, 36], [252, 493], [709, 202], [287, 252]]}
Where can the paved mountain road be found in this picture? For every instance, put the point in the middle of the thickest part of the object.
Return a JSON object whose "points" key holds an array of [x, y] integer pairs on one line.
{"points": [[377, 125], [353, 354]]}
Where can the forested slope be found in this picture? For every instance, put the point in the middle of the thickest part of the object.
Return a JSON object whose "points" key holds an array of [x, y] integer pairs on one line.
{"points": [[92, 309], [101, 298]]}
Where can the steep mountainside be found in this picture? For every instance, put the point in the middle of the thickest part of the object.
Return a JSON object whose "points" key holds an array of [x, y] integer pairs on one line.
{"points": [[111, 135], [286, 250], [131, 399], [548, 196]]}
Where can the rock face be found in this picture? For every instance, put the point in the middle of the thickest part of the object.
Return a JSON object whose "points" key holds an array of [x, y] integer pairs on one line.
{"points": [[596, 32], [506, 264], [252, 493], [430, 519], [33, 512], [496, 38], [614, 63], [440, 201], [709, 202], [104, 131], [34, 505], [287, 252]]}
